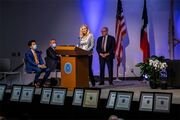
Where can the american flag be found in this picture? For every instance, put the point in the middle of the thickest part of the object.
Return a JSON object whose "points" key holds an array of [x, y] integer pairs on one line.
{"points": [[120, 32]]}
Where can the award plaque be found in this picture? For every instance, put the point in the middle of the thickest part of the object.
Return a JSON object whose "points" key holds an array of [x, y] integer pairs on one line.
{"points": [[27, 94], [45, 95], [111, 99], [162, 102], [123, 100], [2, 91], [78, 96], [15, 93], [58, 96], [91, 98], [146, 101]]}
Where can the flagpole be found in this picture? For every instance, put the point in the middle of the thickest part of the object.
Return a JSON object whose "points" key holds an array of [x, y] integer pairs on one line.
{"points": [[117, 74], [171, 35], [117, 71]]}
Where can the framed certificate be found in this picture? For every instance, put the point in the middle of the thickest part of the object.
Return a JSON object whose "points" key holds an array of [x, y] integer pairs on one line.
{"points": [[91, 98], [146, 101], [45, 95], [162, 102], [27, 94], [58, 96], [78, 96], [123, 100], [111, 99], [15, 93], [2, 91]]}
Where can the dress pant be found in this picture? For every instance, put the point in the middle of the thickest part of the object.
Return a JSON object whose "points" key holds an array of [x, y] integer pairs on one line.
{"points": [[109, 61], [91, 76], [38, 72]]}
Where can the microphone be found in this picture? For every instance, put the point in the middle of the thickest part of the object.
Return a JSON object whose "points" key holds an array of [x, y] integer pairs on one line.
{"points": [[79, 38], [77, 45]]}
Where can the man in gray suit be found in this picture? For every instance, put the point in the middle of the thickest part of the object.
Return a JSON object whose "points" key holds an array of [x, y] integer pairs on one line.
{"points": [[105, 49]]}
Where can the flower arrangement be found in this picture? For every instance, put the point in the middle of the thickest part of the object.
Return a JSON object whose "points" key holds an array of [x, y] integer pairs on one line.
{"points": [[157, 64], [153, 68]]}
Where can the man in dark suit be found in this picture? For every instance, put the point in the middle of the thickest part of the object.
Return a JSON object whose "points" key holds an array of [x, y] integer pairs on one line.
{"points": [[52, 58], [35, 63], [105, 49]]}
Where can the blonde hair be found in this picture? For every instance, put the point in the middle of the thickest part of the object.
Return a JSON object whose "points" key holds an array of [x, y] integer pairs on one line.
{"points": [[81, 34]]}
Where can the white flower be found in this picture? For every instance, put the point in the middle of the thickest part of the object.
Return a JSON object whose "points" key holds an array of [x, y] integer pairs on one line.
{"points": [[151, 62], [162, 65], [156, 63], [165, 64]]}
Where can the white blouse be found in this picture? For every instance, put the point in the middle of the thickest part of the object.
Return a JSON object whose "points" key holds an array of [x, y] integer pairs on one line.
{"points": [[87, 43]]}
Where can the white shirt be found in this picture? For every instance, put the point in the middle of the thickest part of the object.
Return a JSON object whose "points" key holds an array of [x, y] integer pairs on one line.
{"points": [[87, 43]]}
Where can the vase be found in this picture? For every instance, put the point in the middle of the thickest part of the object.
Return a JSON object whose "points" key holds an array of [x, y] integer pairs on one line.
{"points": [[163, 85], [153, 84], [163, 78]]}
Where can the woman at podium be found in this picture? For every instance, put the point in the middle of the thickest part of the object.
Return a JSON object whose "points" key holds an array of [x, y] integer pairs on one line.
{"points": [[87, 43]]}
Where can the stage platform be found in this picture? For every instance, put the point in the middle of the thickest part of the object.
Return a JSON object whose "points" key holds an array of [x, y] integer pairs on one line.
{"points": [[136, 87]]}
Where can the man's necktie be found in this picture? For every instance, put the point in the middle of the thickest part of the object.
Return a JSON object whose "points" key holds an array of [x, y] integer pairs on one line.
{"points": [[103, 44], [36, 58]]}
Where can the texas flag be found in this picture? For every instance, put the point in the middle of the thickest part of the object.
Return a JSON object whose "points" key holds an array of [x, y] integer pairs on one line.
{"points": [[144, 43]]}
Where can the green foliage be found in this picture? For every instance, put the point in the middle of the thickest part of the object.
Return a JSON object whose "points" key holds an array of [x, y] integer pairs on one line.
{"points": [[150, 69]]}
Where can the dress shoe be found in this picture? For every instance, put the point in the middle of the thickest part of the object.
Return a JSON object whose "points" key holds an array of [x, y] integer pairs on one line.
{"points": [[111, 83], [93, 84], [101, 83]]}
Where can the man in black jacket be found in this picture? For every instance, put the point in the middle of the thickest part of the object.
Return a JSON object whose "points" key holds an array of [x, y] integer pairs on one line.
{"points": [[105, 49], [52, 58]]}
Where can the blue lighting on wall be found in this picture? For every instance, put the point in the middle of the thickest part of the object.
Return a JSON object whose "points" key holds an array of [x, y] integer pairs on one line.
{"points": [[177, 32], [177, 28], [92, 11], [177, 17]]}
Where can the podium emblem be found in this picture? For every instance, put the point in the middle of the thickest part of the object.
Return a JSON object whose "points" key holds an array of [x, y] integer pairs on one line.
{"points": [[68, 68]]}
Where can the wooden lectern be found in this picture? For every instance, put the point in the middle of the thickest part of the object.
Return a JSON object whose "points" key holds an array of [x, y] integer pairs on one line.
{"points": [[74, 67]]}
